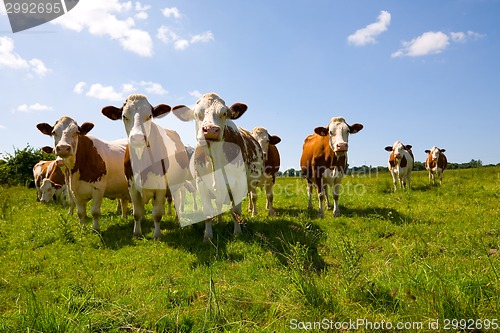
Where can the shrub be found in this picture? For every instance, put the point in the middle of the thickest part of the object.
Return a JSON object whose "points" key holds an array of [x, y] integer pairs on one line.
{"points": [[17, 169]]}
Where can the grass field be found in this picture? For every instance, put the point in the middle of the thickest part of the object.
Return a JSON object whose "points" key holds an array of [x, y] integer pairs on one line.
{"points": [[425, 259]]}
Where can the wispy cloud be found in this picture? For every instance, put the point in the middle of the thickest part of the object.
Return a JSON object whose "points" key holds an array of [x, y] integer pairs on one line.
{"points": [[195, 93], [167, 36], [171, 12], [36, 107], [432, 42], [101, 18], [10, 59], [110, 93], [368, 34]]}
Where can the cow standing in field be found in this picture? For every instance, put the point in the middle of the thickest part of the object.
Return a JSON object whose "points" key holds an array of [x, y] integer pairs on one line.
{"points": [[324, 159], [156, 162], [53, 186], [40, 172], [436, 163], [95, 167], [400, 164], [271, 163], [228, 161]]}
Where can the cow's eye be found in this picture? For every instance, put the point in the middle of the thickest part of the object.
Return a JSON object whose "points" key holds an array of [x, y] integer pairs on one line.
{"points": [[124, 117], [148, 118]]}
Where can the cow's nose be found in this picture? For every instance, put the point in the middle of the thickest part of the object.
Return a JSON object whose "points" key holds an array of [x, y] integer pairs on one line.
{"points": [[342, 146], [63, 150], [211, 132], [397, 155], [137, 140]]}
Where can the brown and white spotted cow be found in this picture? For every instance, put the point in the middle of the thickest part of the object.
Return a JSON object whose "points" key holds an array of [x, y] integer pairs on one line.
{"points": [[436, 163], [156, 162], [324, 159], [53, 187], [228, 161], [271, 163], [40, 172], [400, 164], [95, 167]]}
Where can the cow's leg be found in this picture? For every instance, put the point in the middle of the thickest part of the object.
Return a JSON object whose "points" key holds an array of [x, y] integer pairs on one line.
{"points": [[124, 207], [137, 209], [430, 176], [269, 188], [81, 210], [321, 195], [335, 193], [409, 180], [208, 234], [158, 211], [237, 211], [253, 198], [208, 210], [309, 194], [182, 200], [71, 201], [440, 176], [95, 210], [395, 180], [195, 205]]}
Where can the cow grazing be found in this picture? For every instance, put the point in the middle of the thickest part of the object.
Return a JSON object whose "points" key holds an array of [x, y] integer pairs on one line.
{"points": [[324, 159], [400, 164], [436, 163], [271, 162], [156, 162], [94, 166], [228, 161], [40, 172]]}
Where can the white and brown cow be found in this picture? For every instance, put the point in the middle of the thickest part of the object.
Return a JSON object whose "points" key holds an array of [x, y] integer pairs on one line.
{"points": [[324, 159], [436, 163], [400, 164], [156, 162], [53, 187], [95, 167], [271, 163], [40, 172], [228, 161]]}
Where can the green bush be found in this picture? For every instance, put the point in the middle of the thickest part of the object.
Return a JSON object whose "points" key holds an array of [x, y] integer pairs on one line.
{"points": [[17, 169]]}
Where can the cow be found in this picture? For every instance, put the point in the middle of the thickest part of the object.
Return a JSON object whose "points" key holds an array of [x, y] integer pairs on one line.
{"points": [[228, 161], [271, 163], [40, 172], [400, 164], [324, 159], [436, 163], [156, 162], [94, 166], [54, 185]]}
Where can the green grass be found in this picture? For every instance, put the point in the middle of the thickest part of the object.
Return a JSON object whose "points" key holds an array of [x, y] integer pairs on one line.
{"points": [[428, 254]]}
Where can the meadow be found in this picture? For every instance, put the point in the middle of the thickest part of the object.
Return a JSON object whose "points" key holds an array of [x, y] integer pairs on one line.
{"points": [[421, 260]]}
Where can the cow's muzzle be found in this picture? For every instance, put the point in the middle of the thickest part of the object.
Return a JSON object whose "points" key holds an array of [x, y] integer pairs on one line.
{"points": [[63, 150], [211, 132]]}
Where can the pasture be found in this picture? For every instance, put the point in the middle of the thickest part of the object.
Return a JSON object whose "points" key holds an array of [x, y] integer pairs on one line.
{"points": [[421, 257]]}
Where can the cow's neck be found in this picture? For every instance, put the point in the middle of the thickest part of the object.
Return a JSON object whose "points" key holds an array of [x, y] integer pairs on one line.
{"points": [[87, 162]]}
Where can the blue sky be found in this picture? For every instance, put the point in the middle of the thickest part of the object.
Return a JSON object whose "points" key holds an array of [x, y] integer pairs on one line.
{"points": [[424, 72]]}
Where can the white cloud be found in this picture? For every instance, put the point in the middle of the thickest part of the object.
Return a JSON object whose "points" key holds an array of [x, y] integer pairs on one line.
{"points": [[167, 36], [142, 11], [10, 59], [195, 93], [171, 12], [368, 34], [100, 18], [99, 91], [37, 107], [102, 92], [2, 127], [433, 43], [79, 87]]}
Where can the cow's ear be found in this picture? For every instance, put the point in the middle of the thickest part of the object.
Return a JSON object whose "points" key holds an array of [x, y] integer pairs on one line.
{"points": [[274, 139], [355, 128], [85, 128], [442, 150], [323, 131], [388, 148], [427, 151], [237, 110], [45, 128], [112, 112], [408, 146], [183, 112], [160, 110], [47, 149]]}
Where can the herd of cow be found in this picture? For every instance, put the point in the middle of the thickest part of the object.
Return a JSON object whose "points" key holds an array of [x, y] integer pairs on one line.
{"points": [[228, 163]]}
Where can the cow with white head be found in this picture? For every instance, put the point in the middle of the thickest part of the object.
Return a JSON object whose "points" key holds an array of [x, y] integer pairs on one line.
{"points": [[435, 164], [228, 161], [324, 159], [156, 162], [400, 164]]}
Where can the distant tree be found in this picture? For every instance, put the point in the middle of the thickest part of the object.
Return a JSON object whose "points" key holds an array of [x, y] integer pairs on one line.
{"points": [[291, 173], [418, 166], [17, 169]]}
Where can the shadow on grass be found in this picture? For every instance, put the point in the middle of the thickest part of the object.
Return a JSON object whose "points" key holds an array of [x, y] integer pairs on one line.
{"points": [[379, 213]]}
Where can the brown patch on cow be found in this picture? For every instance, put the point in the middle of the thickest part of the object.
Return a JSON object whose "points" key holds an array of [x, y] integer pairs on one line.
{"points": [[317, 156], [242, 141], [272, 164], [88, 161], [393, 162], [57, 175], [127, 163]]}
